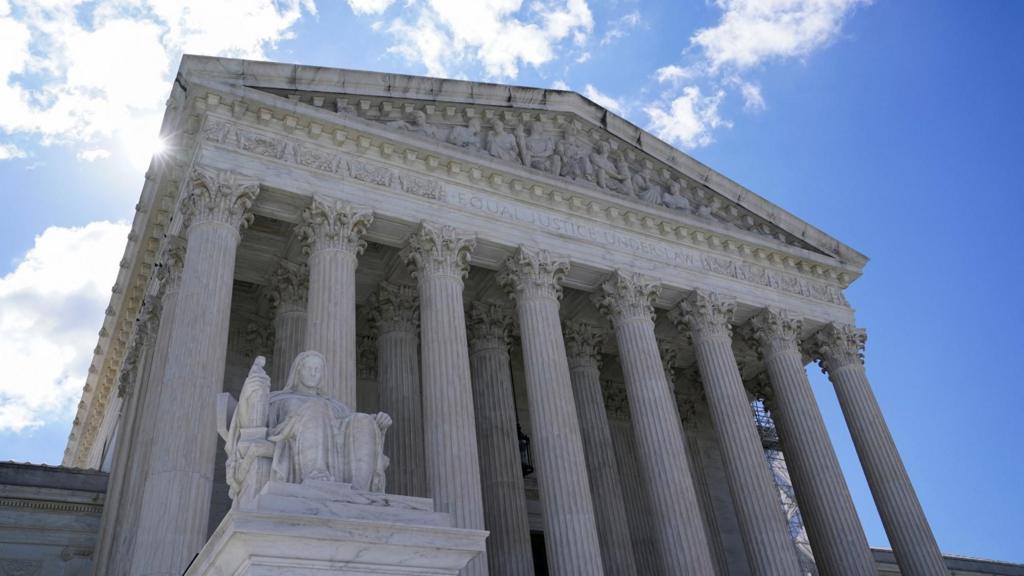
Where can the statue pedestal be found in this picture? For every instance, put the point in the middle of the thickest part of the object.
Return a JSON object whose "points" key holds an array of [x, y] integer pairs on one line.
{"points": [[321, 528]]}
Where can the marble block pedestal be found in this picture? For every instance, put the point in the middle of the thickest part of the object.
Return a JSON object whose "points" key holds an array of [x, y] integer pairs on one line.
{"points": [[326, 528]]}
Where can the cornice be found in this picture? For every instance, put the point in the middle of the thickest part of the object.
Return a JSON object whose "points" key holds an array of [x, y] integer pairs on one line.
{"points": [[390, 163], [297, 80]]}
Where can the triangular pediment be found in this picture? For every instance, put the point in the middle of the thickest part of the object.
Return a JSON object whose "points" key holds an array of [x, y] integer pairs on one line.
{"points": [[551, 133]]}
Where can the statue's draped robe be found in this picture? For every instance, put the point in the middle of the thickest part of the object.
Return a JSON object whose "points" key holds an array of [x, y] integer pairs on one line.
{"points": [[315, 435]]}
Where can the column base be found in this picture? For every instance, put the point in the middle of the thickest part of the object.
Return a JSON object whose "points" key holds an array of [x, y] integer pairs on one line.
{"points": [[326, 528]]}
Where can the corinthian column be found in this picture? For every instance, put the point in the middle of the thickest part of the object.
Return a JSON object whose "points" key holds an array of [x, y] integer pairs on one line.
{"points": [[533, 278], [638, 514], [583, 348], [762, 522], [682, 544], [394, 315], [438, 256], [508, 547], [840, 349], [333, 231], [175, 507], [289, 287], [836, 535]]}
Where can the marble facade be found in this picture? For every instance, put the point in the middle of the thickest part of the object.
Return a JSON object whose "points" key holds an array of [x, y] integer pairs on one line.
{"points": [[411, 230]]}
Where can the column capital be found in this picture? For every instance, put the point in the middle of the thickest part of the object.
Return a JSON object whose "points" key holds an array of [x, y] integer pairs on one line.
{"points": [[627, 296], [438, 250], [259, 337], [221, 196], [489, 325], [332, 224], [288, 287], [170, 264], [395, 308], [838, 345], [669, 352], [616, 401], [532, 272], [775, 331], [706, 314], [583, 343], [366, 357]]}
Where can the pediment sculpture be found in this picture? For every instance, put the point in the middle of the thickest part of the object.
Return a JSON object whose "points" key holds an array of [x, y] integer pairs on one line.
{"points": [[298, 434], [561, 146]]}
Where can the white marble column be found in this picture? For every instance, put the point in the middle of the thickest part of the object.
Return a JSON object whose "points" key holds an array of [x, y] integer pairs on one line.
{"points": [[332, 231], [175, 507], [638, 508], [628, 300], [533, 279], [288, 291], [509, 552], [840, 349], [762, 522], [394, 316], [134, 386], [438, 256], [826, 507], [583, 349]]}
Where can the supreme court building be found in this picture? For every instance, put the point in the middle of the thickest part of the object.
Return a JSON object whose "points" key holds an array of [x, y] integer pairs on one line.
{"points": [[590, 345]]}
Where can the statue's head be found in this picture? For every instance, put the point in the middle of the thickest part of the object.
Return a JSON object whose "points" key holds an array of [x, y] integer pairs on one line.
{"points": [[307, 372]]}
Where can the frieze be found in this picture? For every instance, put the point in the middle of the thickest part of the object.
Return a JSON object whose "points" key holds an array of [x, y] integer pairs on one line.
{"points": [[288, 151], [370, 173]]}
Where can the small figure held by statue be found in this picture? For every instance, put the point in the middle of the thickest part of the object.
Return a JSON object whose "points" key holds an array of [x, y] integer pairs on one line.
{"points": [[298, 434]]}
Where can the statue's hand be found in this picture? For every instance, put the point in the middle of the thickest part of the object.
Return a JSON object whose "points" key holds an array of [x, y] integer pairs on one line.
{"points": [[383, 421]]}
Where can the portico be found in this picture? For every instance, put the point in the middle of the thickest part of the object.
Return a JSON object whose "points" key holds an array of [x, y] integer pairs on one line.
{"points": [[319, 208]]}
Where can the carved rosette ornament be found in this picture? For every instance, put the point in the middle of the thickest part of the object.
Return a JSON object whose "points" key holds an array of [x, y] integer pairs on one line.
{"points": [[331, 224], [708, 315], [774, 331], [627, 296], [288, 287], [219, 196], [439, 250], [533, 273], [583, 343], [838, 345], [395, 308], [489, 326]]}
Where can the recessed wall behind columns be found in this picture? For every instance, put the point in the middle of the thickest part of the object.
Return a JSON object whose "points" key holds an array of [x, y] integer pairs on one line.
{"points": [[503, 223]]}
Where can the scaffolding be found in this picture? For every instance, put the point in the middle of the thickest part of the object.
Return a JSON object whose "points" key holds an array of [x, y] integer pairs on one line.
{"points": [[787, 497]]}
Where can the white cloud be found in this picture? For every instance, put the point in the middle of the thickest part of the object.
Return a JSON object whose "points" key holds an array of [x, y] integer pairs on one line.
{"points": [[93, 154], [560, 85], [688, 119], [499, 35], [753, 101], [620, 27], [752, 31], [602, 99], [370, 6], [50, 307], [749, 33], [10, 151], [674, 74], [85, 77]]}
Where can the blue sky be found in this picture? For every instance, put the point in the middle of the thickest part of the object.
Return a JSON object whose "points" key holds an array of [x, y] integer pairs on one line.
{"points": [[894, 126]]}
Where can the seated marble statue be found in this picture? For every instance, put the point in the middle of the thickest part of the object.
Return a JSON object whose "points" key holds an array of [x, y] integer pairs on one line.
{"points": [[300, 434]]}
